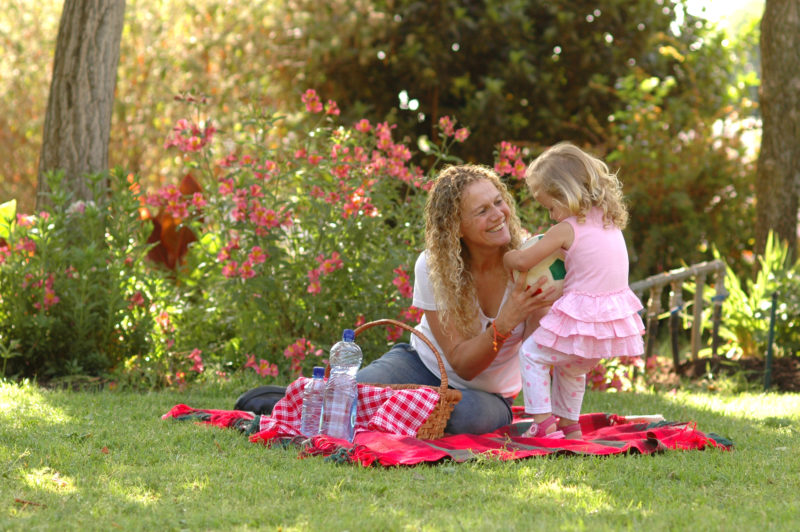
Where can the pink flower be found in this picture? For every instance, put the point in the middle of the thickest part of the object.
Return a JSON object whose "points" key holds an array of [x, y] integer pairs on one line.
{"points": [[190, 137], [180, 378], [136, 300], [257, 255], [312, 101], [508, 150], [50, 298], [246, 270], [265, 369], [164, 322], [349, 209], [447, 126], [314, 287], [251, 362], [25, 220], [225, 187], [462, 134], [402, 283], [198, 201], [341, 171], [363, 125], [332, 264], [393, 334], [336, 149], [412, 314], [300, 349], [331, 108], [503, 167], [228, 161], [519, 169], [195, 357], [385, 143], [26, 245], [230, 269], [256, 191], [384, 130], [268, 218]]}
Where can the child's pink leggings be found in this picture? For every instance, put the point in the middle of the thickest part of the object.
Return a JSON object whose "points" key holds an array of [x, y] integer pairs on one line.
{"points": [[565, 396]]}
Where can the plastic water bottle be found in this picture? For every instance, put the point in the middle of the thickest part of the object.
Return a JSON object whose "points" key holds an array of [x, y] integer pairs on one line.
{"points": [[341, 391], [313, 395]]}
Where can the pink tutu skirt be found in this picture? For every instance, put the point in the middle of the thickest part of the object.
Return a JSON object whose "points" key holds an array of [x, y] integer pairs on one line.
{"points": [[594, 326]]}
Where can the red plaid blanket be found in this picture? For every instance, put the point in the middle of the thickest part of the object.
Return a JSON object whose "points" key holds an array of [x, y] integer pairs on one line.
{"points": [[603, 434]]}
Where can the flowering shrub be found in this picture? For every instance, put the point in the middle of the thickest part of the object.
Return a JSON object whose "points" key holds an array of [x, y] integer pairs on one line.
{"points": [[305, 227], [616, 374], [75, 296]]}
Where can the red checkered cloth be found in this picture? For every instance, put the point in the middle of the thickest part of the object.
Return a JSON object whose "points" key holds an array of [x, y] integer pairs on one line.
{"points": [[603, 434], [385, 410]]}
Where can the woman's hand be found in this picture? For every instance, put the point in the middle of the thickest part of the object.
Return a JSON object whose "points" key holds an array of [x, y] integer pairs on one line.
{"points": [[523, 301], [469, 356]]}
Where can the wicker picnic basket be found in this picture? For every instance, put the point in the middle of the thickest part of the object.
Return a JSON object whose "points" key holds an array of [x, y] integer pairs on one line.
{"points": [[433, 428]]}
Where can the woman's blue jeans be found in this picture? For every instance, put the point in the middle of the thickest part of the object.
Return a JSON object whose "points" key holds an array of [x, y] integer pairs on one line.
{"points": [[478, 412]]}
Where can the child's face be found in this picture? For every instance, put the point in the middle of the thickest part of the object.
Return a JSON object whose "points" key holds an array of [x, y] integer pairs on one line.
{"points": [[557, 211]]}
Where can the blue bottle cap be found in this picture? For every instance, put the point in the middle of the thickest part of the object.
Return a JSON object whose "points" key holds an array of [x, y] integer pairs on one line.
{"points": [[349, 335], [318, 373]]}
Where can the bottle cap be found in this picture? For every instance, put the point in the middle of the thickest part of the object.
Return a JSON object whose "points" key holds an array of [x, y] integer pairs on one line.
{"points": [[348, 335], [318, 372]]}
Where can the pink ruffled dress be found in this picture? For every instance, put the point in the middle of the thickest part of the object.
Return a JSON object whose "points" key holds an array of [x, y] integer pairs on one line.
{"points": [[597, 315]]}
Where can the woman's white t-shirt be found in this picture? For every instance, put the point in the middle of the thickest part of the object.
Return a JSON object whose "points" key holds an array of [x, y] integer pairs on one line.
{"points": [[503, 374]]}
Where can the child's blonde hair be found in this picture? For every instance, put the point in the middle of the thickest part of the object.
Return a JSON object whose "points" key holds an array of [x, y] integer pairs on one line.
{"points": [[578, 181]]}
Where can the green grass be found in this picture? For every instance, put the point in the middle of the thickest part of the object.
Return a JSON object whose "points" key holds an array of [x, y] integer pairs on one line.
{"points": [[106, 461]]}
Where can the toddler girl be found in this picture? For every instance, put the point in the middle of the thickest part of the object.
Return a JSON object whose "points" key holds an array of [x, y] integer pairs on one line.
{"points": [[597, 315]]}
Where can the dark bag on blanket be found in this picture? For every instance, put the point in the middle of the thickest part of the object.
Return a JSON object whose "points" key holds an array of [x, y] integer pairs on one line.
{"points": [[260, 400]]}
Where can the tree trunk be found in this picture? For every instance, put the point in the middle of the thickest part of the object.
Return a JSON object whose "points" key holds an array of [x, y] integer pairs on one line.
{"points": [[778, 178], [78, 119]]}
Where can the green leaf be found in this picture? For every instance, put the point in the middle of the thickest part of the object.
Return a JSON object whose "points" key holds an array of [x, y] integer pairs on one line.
{"points": [[8, 213]]}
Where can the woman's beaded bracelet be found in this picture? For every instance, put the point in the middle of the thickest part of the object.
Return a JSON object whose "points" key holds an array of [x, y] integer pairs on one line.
{"points": [[498, 338]]}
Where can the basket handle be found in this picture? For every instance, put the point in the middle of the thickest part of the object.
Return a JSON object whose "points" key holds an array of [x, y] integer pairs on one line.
{"points": [[386, 321]]}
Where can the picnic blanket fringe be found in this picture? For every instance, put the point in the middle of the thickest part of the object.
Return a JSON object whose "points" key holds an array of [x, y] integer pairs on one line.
{"points": [[604, 434]]}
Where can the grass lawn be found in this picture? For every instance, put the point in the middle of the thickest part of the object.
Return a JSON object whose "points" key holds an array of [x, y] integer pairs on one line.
{"points": [[106, 461]]}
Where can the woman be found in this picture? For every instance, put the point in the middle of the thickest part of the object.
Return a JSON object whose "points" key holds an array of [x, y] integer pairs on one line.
{"points": [[473, 313]]}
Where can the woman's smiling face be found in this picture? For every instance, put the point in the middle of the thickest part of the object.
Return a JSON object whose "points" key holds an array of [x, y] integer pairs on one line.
{"points": [[483, 215]]}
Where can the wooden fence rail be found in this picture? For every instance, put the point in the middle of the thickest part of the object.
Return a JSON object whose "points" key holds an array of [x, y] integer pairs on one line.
{"points": [[675, 279]]}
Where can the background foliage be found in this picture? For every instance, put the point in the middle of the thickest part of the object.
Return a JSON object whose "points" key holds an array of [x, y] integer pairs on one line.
{"points": [[527, 72], [75, 293]]}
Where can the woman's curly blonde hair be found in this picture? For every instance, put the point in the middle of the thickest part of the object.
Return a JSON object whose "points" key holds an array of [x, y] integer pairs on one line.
{"points": [[448, 257], [578, 181]]}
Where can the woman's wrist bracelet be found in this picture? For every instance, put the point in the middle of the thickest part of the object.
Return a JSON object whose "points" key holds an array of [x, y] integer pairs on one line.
{"points": [[498, 338]]}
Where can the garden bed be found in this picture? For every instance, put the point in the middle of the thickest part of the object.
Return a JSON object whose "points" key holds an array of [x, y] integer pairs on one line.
{"points": [[785, 371]]}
